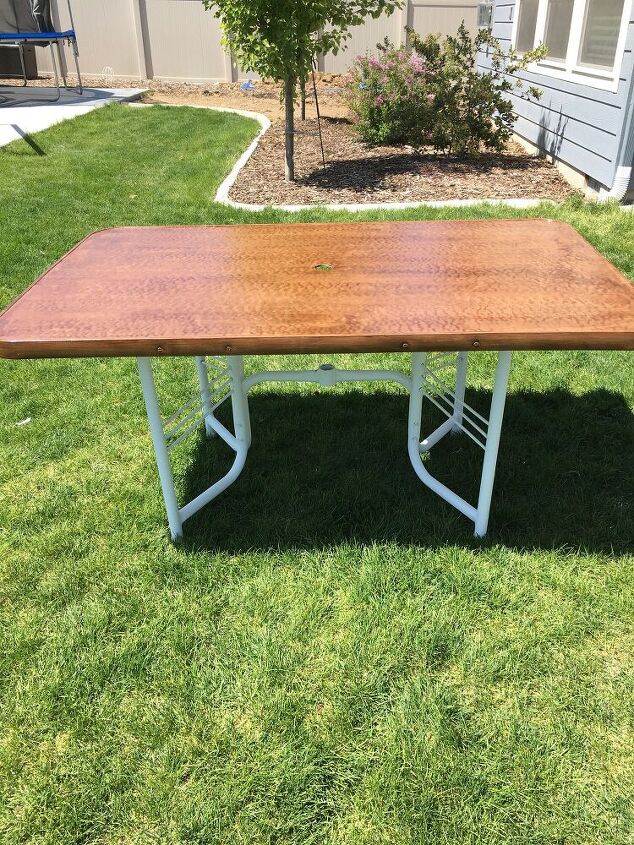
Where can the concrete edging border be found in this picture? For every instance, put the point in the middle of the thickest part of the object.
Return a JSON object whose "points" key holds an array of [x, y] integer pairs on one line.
{"points": [[222, 194]]}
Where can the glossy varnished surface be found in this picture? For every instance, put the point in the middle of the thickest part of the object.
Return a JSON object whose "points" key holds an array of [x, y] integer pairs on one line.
{"points": [[494, 284]]}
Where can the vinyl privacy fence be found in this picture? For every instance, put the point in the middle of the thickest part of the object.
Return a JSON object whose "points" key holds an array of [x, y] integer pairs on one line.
{"points": [[179, 40]]}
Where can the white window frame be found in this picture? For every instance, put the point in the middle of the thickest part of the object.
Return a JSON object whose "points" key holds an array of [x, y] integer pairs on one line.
{"points": [[570, 68]]}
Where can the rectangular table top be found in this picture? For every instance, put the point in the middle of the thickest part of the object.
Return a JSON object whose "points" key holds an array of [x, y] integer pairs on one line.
{"points": [[331, 287]]}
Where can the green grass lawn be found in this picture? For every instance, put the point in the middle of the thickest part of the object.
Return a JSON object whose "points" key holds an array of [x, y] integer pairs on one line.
{"points": [[329, 656]]}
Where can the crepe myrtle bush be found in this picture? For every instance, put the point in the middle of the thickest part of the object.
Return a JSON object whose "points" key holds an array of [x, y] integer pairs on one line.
{"points": [[280, 39], [432, 94]]}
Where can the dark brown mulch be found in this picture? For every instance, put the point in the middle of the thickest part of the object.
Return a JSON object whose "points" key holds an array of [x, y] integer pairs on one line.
{"points": [[356, 173]]}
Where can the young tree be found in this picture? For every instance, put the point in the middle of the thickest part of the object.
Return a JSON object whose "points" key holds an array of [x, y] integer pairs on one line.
{"points": [[280, 38]]}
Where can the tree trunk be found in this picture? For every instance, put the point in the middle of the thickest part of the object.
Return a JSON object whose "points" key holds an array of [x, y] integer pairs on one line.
{"points": [[302, 89], [289, 168]]}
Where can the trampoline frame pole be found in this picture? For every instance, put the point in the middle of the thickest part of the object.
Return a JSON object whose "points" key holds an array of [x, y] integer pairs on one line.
{"points": [[80, 85], [55, 71], [22, 62]]}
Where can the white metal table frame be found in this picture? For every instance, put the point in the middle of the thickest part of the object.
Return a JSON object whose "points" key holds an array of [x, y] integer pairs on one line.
{"points": [[223, 378]]}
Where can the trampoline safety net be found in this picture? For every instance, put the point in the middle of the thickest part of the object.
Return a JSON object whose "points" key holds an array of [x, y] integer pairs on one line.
{"points": [[28, 16], [20, 23]]}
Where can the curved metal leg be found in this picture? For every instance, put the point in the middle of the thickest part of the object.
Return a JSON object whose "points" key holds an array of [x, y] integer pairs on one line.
{"points": [[239, 401], [168, 432], [414, 426], [426, 384], [222, 378]]}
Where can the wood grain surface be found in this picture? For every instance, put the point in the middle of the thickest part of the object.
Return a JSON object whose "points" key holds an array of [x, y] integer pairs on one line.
{"points": [[387, 286]]}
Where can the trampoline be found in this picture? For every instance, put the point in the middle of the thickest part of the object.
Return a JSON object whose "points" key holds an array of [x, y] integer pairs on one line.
{"points": [[29, 22]]}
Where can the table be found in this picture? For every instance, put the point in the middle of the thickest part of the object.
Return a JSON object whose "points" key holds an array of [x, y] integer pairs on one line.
{"points": [[436, 290]]}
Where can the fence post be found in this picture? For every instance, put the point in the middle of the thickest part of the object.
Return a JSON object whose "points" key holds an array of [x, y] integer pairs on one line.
{"points": [[231, 69], [405, 15], [139, 13]]}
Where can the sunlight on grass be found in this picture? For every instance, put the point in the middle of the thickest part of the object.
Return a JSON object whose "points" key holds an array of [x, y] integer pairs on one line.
{"points": [[329, 656]]}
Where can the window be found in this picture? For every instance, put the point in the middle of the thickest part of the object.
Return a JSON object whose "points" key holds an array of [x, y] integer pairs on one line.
{"points": [[585, 39], [601, 33], [527, 25], [557, 34]]}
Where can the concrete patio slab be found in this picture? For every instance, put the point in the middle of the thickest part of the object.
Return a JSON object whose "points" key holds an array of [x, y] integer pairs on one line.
{"points": [[24, 111]]}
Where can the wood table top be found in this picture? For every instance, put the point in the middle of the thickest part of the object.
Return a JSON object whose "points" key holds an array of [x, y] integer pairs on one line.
{"points": [[261, 289]]}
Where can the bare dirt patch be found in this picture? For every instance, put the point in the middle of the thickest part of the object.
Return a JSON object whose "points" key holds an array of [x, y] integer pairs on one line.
{"points": [[266, 98], [357, 173]]}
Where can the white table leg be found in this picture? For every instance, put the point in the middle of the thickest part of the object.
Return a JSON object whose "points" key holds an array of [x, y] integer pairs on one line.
{"points": [[418, 393], [461, 384], [493, 442], [427, 383], [160, 447], [239, 400], [167, 433], [219, 379], [205, 394]]}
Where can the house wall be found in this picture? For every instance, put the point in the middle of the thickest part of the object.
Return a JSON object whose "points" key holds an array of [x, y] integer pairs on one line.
{"points": [[179, 40], [578, 124]]}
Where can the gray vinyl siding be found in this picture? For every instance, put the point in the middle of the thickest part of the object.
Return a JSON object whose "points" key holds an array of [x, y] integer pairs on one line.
{"points": [[580, 125]]}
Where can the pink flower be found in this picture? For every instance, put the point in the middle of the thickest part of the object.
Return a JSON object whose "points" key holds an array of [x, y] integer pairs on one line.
{"points": [[379, 101]]}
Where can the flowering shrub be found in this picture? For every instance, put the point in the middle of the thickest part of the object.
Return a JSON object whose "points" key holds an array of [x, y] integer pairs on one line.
{"points": [[432, 94], [389, 96]]}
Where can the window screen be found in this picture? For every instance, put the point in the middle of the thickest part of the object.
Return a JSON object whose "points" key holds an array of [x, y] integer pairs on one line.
{"points": [[558, 20], [526, 25], [601, 33]]}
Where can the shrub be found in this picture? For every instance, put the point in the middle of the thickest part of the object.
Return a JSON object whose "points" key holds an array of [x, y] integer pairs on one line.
{"points": [[432, 94], [390, 96]]}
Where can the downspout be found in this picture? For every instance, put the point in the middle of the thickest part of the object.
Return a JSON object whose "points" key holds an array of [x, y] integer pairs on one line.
{"points": [[620, 186], [625, 169]]}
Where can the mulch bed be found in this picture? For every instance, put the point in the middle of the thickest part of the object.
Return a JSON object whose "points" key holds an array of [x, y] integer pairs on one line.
{"points": [[357, 173]]}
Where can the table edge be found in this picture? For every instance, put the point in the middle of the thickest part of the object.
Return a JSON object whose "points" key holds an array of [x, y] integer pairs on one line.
{"points": [[158, 347]]}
